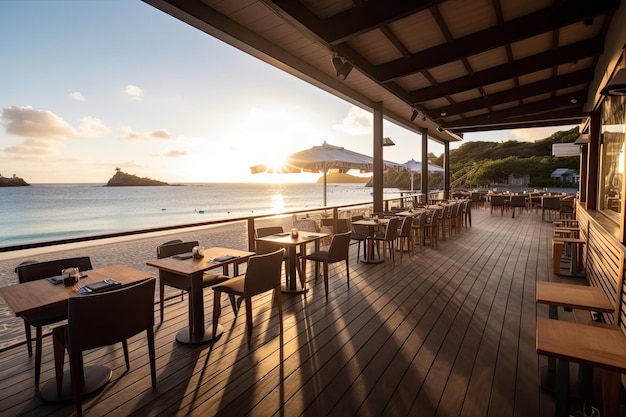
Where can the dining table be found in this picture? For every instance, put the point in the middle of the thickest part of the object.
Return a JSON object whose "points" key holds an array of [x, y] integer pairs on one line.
{"points": [[372, 225], [41, 295], [193, 268], [290, 241]]}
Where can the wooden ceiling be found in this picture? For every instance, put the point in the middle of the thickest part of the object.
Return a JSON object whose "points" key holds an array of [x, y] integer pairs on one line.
{"points": [[457, 65]]}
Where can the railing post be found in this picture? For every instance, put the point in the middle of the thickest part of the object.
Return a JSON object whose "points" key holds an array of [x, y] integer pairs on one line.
{"points": [[251, 240]]}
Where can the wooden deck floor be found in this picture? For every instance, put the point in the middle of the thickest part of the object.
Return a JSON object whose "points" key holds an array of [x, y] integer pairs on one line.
{"points": [[445, 332]]}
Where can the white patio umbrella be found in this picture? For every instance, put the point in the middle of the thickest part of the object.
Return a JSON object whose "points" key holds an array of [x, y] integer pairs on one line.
{"points": [[324, 158], [416, 166]]}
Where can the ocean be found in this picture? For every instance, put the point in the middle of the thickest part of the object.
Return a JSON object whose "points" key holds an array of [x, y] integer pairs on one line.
{"points": [[46, 212]]}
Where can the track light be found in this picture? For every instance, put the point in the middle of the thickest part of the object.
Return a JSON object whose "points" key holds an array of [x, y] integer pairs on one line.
{"points": [[423, 118], [388, 142], [342, 67], [414, 115], [617, 85], [439, 129]]}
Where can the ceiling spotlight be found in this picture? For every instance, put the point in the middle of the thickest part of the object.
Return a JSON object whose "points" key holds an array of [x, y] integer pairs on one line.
{"points": [[388, 142], [573, 100], [423, 118], [439, 129], [443, 114], [617, 85], [414, 115], [342, 67]]}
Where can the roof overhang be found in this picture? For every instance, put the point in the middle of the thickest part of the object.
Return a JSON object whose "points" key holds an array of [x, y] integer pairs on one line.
{"points": [[448, 66]]}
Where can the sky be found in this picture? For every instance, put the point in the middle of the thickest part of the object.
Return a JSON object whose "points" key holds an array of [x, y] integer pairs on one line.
{"points": [[88, 86]]}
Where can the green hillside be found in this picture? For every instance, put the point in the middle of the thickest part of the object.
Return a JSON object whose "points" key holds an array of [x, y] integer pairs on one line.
{"points": [[481, 163]]}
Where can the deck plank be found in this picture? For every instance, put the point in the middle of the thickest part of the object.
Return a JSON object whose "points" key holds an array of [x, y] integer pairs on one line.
{"points": [[444, 332]]}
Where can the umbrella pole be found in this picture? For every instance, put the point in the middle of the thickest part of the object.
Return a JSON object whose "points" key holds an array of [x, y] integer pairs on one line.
{"points": [[411, 182], [325, 188]]}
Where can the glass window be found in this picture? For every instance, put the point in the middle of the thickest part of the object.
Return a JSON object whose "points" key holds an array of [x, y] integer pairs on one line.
{"points": [[613, 140]]}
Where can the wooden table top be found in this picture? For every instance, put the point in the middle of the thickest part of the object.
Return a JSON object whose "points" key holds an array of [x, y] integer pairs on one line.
{"points": [[33, 296], [371, 222], [285, 239], [193, 266], [595, 346], [581, 297]]}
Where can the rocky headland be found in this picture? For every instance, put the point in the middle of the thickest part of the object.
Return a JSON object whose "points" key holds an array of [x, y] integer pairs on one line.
{"points": [[12, 182], [122, 179]]}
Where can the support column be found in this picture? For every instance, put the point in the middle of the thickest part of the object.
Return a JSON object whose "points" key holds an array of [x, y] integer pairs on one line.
{"points": [[377, 181], [425, 164], [593, 165], [446, 167]]}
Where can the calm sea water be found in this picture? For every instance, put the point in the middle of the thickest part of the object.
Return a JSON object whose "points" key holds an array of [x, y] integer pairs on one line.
{"points": [[45, 212]]}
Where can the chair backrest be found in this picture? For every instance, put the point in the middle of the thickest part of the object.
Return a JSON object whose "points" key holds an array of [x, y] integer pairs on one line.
{"points": [[420, 220], [175, 248], [262, 247], [405, 229], [343, 225], [552, 203], [476, 197], [267, 231], [263, 272], [445, 212], [39, 270], [106, 318], [339, 247], [518, 201], [356, 218], [497, 200], [434, 217], [392, 229]]}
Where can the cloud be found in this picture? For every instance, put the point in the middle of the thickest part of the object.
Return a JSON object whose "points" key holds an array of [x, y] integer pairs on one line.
{"points": [[131, 135], [77, 96], [172, 154], [30, 123], [357, 122], [31, 147], [134, 92], [160, 134], [92, 127]]}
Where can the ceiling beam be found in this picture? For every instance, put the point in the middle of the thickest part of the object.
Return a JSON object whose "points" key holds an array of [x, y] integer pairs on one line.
{"points": [[528, 65], [581, 77], [519, 125], [354, 21], [536, 110], [560, 15]]}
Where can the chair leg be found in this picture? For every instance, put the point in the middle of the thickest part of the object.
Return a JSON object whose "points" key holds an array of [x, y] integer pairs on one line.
{"points": [[249, 320], [161, 298], [77, 381], [38, 337], [347, 273], [125, 348], [29, 343], [234, 303], [279, 300], [59, 359], [326, 279], [217, 309], [151, 353]]}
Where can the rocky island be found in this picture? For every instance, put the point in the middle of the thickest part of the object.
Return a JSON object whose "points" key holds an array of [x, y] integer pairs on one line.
{"points": [[12, 182], [122, 179]]}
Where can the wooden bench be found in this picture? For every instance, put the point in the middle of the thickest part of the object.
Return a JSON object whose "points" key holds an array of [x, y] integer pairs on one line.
{"points": [[558, 244], [594, 346]]}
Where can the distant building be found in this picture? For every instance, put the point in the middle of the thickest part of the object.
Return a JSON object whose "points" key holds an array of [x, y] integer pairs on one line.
{"points": [[565, 175], [522, 181]]}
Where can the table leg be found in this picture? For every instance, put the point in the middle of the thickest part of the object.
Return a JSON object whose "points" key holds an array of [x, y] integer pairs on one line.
{"points": [[369, 258], [197, 332], [292, 286]]}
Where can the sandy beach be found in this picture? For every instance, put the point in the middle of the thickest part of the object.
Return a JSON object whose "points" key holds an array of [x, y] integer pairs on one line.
{"points": [[133, 251]]}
